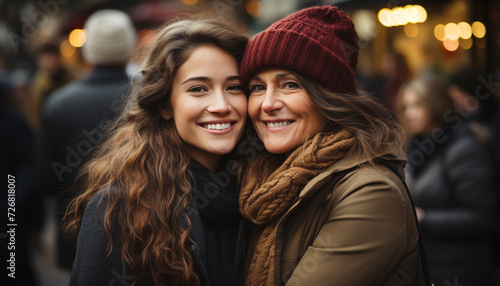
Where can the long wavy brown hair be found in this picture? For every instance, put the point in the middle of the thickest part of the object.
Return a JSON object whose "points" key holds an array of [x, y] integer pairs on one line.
{"points": [[144, 163], [376, 128]]}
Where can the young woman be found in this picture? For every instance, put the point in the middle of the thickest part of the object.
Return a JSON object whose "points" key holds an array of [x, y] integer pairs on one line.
{"points": [[326, 199], [451, 179], [154, 209]]}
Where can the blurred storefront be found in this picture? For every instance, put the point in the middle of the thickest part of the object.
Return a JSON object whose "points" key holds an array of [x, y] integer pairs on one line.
{"points": [[450, 34]]}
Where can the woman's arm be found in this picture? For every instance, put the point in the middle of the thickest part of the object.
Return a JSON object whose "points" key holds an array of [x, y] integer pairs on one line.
{"points": [[92, 264], [365, 237]]}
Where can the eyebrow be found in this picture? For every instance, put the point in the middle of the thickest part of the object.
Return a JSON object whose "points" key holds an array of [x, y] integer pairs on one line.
{"points": [[199, 78], [282, 75], [205, 78]]}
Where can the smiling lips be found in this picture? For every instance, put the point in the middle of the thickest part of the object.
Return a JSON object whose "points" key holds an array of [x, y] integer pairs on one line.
{"points": [[278, 124], [217, 126]]}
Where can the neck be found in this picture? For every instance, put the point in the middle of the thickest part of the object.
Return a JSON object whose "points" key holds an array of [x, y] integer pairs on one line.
{"points": [[209, 161]]}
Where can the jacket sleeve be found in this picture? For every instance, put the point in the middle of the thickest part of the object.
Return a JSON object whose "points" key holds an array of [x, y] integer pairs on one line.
{"points": [[92, 265], [469, 177], [363, 239]]}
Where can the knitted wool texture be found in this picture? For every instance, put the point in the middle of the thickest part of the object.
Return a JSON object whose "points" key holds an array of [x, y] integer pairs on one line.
{"points": [[319, 43], [270, 187]]}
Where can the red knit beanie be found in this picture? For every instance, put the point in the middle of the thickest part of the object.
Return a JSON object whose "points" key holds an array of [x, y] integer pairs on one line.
{"points": [[319, 43]]}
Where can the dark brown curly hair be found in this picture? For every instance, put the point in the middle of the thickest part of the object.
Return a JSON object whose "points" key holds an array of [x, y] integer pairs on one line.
{"points": [[144, 161]]}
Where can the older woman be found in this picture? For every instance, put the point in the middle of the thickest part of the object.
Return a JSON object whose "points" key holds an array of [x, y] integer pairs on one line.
{"points": [[326, 199], [451, 180]]}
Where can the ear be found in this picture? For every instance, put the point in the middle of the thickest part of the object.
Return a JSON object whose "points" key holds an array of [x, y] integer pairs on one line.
{"points": [[166, 113]]}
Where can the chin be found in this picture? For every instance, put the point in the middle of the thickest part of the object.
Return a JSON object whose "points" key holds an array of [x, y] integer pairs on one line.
{"points": [[277, 148], [222, 150]]}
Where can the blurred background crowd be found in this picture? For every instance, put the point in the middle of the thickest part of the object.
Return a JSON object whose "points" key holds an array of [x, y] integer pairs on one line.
{"points": [[434, 63]]}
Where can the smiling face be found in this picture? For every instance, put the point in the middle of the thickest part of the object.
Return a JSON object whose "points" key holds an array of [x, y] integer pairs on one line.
{"points": [[208, 105], [282, 112]]}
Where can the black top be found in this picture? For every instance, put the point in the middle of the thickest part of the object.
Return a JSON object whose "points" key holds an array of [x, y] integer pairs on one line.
{"points": [[213, 244]]}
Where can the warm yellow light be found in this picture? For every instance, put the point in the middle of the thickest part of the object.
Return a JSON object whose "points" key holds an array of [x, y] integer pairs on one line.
{"points": [[67, 50], [411, 30], [465, 30], [385, 17], [478, 29], [451, 31], [399, 16], [77, 38], [407, 12], [450, 45], [189, 2], [422, 14], [439, 32], [254, 8], [466, 43]]}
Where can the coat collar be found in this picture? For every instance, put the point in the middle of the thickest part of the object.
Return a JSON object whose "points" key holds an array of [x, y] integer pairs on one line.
{"points": [[346, 163]]}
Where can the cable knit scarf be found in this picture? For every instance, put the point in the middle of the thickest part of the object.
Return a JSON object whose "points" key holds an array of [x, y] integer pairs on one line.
{"points": [[270, 187]]}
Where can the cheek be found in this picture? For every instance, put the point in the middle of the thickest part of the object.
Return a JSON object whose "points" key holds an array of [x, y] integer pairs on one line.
{"points": [[239, 104], [254, 105]]}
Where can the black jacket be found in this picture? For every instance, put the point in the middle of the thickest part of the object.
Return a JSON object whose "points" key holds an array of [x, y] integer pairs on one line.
{"points": [[92, 265], [453, 184], [73, 123]]}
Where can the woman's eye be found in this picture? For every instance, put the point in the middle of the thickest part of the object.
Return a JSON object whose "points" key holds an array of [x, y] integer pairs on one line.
{"points": [[197, 89], [291, 85], [234, 87], [257, 87]]}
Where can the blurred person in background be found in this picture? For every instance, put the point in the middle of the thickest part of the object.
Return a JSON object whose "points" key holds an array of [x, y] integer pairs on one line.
{"points": [[50, 76], [160, 201], [396, 73], [474, 102], [75, 116], [450, 176], [17, 163]]}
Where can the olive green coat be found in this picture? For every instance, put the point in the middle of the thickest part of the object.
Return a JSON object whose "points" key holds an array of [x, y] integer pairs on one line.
{"points": [[351, 225]]}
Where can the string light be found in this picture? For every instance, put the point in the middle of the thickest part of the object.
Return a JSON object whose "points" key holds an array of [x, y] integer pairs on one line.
{"points": [[400, 16]]}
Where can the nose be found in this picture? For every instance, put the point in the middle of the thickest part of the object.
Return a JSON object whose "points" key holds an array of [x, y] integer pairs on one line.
{"points": [[270, 103], [219, 104]]}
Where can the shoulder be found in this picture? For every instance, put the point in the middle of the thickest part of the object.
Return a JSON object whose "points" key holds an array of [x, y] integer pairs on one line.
{"points": [[369, 178], [97, 206], [464, 147], [59, 98]]}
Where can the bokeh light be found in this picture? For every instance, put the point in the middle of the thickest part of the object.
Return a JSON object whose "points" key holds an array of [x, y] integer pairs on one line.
{"points": [[254, 8], [465, 30], [466, 43], [400, 16], [439, 32], [411, 30], [67, 50], [450, 45], [422, 14], [385, 17], [451, 31], [77, 38], [478, 29]]}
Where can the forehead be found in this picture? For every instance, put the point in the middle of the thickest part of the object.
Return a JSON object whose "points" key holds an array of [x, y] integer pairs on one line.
{"points": [[208, 60], [273, 73]]}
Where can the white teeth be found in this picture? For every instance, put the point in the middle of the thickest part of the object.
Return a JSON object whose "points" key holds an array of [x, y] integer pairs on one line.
{"points": [[218, 126], [278, 124]]}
